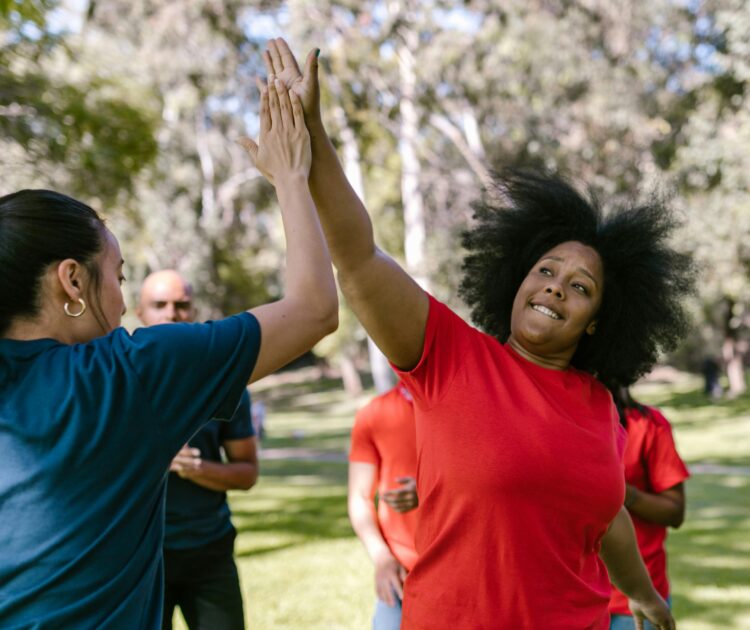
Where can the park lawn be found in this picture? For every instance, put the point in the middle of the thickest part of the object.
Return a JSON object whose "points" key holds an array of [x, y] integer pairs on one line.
{"points": [[302, 568]]}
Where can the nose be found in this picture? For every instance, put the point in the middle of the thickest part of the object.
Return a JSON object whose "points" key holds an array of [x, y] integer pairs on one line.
{"points": [[556, 290], [170, 312]]}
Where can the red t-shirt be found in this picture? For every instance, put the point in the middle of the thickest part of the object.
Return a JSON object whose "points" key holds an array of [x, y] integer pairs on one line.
{"points": [[383, 435], [519, 475], [652, 464]]}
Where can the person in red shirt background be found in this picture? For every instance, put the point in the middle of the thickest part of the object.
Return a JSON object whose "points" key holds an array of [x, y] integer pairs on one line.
{"points": [[383, 456], [519, 470], [654, 494]]}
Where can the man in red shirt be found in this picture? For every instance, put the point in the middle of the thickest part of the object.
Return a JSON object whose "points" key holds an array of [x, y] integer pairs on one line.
{"points": [[383, 455], [654, 495]]}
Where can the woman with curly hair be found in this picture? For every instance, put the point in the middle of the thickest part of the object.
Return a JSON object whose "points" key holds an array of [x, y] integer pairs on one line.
{"points": [[519, 474]]}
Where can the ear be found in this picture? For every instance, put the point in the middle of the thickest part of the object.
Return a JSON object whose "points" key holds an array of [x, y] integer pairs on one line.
{"points": [[70, 273], [591, 328]]}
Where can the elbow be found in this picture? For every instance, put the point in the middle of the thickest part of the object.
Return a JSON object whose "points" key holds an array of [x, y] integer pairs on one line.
{"points": [[328, 320], [248, 481], [677, 520]]}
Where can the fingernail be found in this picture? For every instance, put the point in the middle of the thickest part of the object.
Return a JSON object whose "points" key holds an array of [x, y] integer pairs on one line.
{"points": [[317, 53]]}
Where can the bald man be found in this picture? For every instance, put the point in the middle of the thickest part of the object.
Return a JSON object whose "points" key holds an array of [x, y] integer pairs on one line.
{"points": [[199, 571]]}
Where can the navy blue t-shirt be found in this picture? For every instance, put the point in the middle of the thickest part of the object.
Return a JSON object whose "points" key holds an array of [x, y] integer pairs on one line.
{"points": [[197, 516], [87, 432]]}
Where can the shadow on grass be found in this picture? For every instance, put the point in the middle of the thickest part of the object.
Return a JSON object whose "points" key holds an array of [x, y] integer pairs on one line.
{"points": [[314, 395], [301, 520], [324, 472], [330, 440], [695, 399], [296, 502], [709, 556]]}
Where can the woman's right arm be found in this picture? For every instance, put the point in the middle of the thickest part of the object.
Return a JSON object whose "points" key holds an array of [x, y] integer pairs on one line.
{"points": [[309, 309], [390, 304]]}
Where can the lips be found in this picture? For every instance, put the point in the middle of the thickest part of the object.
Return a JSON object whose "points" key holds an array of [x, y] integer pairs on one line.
{"points": [[546, 310]]}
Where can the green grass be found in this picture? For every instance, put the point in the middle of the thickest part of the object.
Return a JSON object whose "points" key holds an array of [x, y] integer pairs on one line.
{"points": [[302, 568]]}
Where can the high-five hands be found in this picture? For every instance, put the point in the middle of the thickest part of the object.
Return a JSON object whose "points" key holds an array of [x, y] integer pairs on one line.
{"points": [[283, 149], [280, 63]]}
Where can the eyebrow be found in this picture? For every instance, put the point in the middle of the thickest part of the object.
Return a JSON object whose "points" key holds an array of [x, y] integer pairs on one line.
{"points": [[584, 271]]}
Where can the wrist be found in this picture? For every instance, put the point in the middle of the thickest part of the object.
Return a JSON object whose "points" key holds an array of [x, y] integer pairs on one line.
{"points": [[381, 555], [291, 178]]}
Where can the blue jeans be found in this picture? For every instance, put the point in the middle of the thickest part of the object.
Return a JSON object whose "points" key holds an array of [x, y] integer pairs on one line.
{"points": [[387, 617], [626, 622]]}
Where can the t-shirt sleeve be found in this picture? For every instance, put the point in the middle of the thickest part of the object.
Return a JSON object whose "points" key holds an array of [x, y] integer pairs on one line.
{"points": [[363, 447], [241, 424], [193, 372], [665, 466], [447, 338]]}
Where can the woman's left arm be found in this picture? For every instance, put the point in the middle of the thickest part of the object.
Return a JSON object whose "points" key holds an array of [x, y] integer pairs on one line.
{"points": [[663, 508], [628, 573]]}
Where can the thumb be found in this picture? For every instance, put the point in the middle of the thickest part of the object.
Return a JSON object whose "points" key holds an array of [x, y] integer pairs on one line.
{"points": [[311, 66], [250, 146]]}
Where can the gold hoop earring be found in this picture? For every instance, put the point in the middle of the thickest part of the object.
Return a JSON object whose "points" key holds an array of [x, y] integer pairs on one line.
{"points": [[66, 308]]}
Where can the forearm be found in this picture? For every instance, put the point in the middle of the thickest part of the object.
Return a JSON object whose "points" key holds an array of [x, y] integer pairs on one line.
{"points": [[654, 508], [308, 269], [343, 216], [222, 476], [363, 518], [620, 554]]}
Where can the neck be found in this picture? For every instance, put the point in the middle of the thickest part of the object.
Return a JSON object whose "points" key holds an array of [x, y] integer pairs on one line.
{"points": [[554, 362], [30, 330]]}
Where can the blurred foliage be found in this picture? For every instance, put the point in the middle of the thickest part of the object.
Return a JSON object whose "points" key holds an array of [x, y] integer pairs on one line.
{"points": [[136, 105]]}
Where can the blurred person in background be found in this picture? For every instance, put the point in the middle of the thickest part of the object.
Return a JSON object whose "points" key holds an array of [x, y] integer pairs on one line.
{"points": [[383, 462], [654, 494], [200, 575], [91, 416], [510, 534]]}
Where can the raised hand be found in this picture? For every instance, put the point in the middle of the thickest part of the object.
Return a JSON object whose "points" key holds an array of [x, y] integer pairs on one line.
{"points": [[283, 149], [280, 63]]}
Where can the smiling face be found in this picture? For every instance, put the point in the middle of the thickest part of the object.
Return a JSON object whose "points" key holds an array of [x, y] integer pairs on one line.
{"points": [[557, 304]]}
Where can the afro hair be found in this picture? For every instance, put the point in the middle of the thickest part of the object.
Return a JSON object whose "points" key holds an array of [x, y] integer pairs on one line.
{"points": [[645, 279]]}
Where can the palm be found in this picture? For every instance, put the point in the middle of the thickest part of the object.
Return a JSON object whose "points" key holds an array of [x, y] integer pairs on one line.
{"points": [[280, 62]]}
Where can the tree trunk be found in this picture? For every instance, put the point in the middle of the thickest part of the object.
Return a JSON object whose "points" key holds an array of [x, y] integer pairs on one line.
{"points": [[735, 366], [382, 375], [411, 197], [733, 352], [349, 375]]}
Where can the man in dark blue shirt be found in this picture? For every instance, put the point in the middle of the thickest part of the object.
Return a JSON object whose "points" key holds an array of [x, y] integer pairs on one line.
{"points": [[200, 573]]}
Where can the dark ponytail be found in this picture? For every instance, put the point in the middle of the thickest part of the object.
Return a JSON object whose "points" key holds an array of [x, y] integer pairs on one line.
{"points": [[38, 228]]}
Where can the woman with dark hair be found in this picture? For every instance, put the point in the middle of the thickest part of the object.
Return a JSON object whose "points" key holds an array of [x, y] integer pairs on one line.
{"points": [[519, 475], [654, 493], [91, 416]]}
